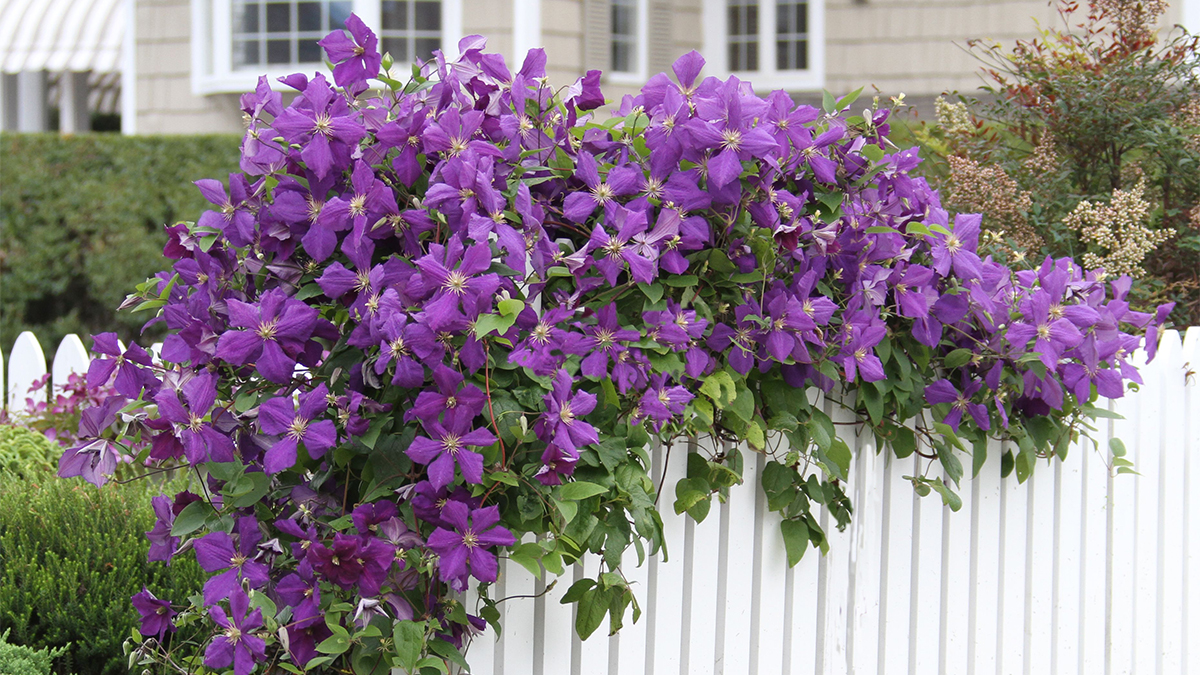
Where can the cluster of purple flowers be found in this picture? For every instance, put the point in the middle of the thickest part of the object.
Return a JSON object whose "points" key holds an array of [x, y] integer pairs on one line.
{"points": [[385, 260]]}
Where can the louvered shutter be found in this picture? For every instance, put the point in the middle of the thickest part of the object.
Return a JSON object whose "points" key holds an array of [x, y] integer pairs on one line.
{"points": [[597, 35], [662, 49]]}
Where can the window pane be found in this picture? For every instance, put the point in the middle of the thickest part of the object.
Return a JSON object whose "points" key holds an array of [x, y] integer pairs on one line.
{"points": [[245, 18], [622, 57], [791, 35], [752, 20], [245, 53], [426, 47], [801, 12], [279, 51], [398, 48], [309, 16], [310, 51], [429, 16], [279, 18], [394, 15], [339, 12]]}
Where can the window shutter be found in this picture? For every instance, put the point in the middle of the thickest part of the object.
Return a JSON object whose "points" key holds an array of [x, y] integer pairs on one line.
{"points": [[662, 50], [597, 35]]}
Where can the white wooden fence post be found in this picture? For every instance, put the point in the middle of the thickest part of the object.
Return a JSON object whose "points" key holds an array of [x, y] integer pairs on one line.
{"points": [[71, 357], [26, 364]]}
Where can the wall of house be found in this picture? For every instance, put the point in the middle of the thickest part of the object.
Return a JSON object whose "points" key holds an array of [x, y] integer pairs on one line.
{"points": [[915, 47], [164, 90]]}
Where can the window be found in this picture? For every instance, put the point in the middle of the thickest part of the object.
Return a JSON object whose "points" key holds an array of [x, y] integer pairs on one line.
{"points": [[627, 61], [772, 43], [283, 32], [624, 36], [235, 41], [410, 29]]}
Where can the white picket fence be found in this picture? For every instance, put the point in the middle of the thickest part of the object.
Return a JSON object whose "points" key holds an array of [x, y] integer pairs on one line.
{"points": [[1076, 571]]}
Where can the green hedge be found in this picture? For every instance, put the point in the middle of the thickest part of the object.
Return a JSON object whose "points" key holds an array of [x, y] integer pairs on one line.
{"points": [[81, 221], [71, 555]]}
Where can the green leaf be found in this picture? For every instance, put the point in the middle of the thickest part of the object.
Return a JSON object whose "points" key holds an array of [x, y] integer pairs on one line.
{"points": [[949, 497], [567, 509], [689, 492], [581, 490], [435, 663], [338, 643], [191, 518], [576, 591], [654, 292], [590, 614], [905, 442], [720, 388], [488, 323], [951, 463], [958, 357], [795, 539], [449, 651], [743, 403], [839, 454], [1115, 445], [527, 555], [680, 280], [510, 307], [828, 102], [978, 455]]}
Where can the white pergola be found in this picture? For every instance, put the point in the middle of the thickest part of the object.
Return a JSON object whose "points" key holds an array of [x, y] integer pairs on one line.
{"points": [[74, 53]]}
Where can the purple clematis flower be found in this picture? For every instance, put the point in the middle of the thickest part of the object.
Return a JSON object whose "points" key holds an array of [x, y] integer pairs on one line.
{"points": [[463, 546], [131, 366], [351, 561], [957, 249], [356, 56], [279, 416], [858, 354], [156, 615], [561, 425], [236, 645], [448, 447], [324, 127], [96, 459], [602, 344], [201, 441], [943, 391], [162, 544], [620, 181], [303, 595], [216, 553], [451, 394], [273, 332]]}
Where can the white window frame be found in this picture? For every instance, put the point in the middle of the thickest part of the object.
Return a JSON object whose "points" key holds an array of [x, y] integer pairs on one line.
{"points": [[641, 71], [767, 77], [212, 46]]}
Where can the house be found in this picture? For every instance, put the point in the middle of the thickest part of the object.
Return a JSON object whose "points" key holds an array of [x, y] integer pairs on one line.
{"points": [[183, 63]]}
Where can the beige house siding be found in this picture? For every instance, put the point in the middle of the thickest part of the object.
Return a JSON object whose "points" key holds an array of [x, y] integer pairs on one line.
{"points": [[915, 47], [164, 88]]}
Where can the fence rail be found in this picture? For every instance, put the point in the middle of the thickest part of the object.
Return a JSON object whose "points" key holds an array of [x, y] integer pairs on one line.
{"points": [[1077, 571]]}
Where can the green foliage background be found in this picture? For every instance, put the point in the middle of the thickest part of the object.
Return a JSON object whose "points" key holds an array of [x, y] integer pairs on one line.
{"points": [[81, 224], [71, 556]]}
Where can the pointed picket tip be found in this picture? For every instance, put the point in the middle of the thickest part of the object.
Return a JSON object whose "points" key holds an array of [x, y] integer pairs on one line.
{"points": [[71, 357], [1170, 347], [26, 364], [1191, 344]]}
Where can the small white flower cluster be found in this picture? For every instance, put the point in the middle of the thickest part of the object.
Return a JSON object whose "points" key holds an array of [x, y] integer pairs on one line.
{"points": [[1120, 227], [953, 117]]}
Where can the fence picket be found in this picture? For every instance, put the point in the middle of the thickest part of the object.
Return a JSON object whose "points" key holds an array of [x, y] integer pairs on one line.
{"points": [[1169, 508], [984, 595], [1122, 528], [25, 366], [1190, 623], [664, 597], [71, 357]]}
